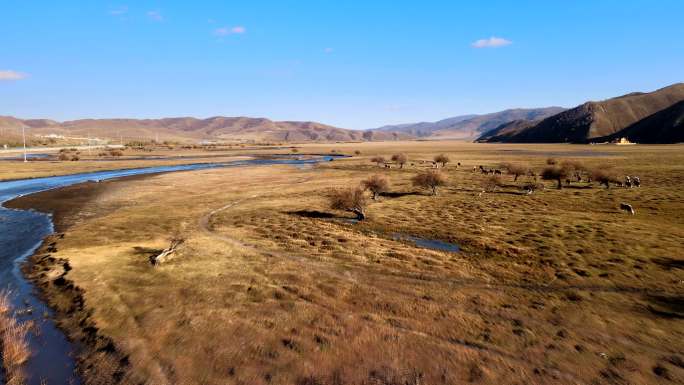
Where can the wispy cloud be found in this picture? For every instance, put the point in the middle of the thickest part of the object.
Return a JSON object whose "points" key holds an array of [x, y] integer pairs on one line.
{"points": [[492, 42], [225, 31], [119, 11], [328, 50], [12, 75], [155, 15]]}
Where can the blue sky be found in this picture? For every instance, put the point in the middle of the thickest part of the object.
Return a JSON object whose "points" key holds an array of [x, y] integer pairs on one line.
{"points": [[354, 64]]}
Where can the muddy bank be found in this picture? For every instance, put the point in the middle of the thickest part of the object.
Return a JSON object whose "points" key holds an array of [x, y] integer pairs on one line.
{"points": [[66, 202], [98, 359]]}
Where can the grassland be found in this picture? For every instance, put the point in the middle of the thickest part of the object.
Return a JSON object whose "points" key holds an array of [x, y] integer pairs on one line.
{"points": [[270, 286]]}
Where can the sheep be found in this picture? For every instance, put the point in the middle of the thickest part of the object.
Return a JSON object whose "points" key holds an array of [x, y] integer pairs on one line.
{"points": [[627, 207], [628, 182], [636, 181]]}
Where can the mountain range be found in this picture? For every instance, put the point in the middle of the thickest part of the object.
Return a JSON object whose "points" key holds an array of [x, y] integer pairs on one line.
{"points": [[468, 126], [215, 128], [653, 117]]}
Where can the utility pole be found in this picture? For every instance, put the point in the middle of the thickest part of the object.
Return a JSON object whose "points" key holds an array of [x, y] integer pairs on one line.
{"points": [[89, 143], [23, 134]]}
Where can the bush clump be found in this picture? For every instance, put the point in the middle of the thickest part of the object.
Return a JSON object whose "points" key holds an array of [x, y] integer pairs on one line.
{"points": [[430, 179]]}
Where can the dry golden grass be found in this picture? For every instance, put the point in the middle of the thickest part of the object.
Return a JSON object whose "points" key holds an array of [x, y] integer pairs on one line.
{"points": [[15, 349], [272, 287]]}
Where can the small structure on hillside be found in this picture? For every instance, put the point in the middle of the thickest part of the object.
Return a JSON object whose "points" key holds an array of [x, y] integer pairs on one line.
{"points": [[622, 141]]}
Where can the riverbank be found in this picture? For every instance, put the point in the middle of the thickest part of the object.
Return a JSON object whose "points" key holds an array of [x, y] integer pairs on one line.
{"points": [[98, 359], [49, 273]]}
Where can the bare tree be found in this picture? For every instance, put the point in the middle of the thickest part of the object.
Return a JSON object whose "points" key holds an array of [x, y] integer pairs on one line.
{"points": [[350, 199], [516, 170], [443, 159], [378, 160], [492, 183], [376, 184], [603, 177], [400, 159], [556, 173], [429, 179], [576, 168]]}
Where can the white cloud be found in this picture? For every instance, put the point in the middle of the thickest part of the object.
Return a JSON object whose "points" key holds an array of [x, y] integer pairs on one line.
{"points": [[11, 75], [492, 42], [155, 15], [225, 31], [119, 11], [328, 50]]}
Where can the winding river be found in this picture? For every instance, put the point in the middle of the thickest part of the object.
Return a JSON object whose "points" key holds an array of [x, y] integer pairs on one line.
{"points": [[22, 232]]}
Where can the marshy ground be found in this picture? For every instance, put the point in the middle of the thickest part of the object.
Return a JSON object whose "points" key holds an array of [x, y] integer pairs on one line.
{"points": [[271, 286]]}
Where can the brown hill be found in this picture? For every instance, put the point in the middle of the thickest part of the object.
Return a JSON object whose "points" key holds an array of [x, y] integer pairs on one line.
{"points": [[593, 120], [186, 128]]}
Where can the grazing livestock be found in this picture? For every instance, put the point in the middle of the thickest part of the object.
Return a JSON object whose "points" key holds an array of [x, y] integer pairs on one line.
{"points": [[636, 181], [497, 172], [628, 182], [627, 207]]}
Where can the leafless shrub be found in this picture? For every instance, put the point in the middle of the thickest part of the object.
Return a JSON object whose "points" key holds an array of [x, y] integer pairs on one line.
{"points": [[604, 176], [294, 150], [64, 156], [516, 170], [443, 159], [357, 152], [492, 182], [556, 173], [552, 161], [15, 348], [349, 199], [575, 168], [115, 153], [378, 160], [75, 158], [376, 184], [429, 179], [400, 159]]}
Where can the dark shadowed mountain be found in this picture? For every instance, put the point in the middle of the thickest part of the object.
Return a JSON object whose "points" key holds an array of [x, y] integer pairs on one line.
{"points": [[665, 126], [226, 128], [593, 121], [506, 130], [469, 126]]}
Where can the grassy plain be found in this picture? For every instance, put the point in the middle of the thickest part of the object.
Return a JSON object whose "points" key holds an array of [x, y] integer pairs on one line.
{"points": [[271, 286]]}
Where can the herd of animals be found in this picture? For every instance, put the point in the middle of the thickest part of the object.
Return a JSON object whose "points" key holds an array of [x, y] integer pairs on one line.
{"points": [[529, 188]]}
